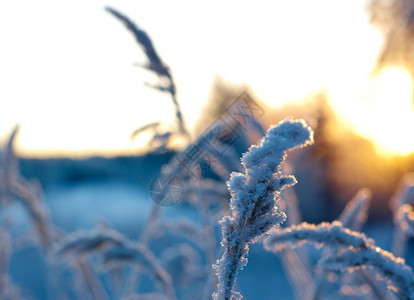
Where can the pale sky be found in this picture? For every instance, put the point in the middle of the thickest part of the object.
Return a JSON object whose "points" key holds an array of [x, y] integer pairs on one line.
{"points": [[67, 74]]}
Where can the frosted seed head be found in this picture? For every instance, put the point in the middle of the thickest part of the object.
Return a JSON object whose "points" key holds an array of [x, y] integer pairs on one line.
{"points": [[291, 133]]}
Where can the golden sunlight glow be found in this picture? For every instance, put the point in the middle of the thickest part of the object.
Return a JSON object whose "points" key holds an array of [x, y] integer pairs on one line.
{"points": [[76, 92], [385, 114], [393, 114]]}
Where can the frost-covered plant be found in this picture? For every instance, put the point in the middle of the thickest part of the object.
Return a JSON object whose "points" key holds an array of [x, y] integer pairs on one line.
{"points": [[351, 250], [332, 234], [85, 242], [254, 195], [114, 249], [393, 271], [401, 203], [209, 197], [184, 163], [135, 253], [14, 187], [182, 267], [405, 219], [8, 290], [78, 246], [224, 163], [295, 262], [355, 213], [352, 217]]}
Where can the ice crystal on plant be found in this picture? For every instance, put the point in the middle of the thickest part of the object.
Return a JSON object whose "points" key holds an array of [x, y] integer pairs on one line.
{"points": [[392, 270], [353, 251], [332, 234], [253, 209]]}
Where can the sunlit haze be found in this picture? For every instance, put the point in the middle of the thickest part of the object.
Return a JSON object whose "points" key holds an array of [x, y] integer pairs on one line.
{"points": [[67, 74]]}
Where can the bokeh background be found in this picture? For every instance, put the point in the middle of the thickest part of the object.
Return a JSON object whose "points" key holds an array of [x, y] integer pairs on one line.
{"points": [[70, 79]]}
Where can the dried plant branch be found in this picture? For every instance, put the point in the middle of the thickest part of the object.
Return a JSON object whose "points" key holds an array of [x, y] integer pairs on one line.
{"points": [[400, 204], [139, 130], [12, 184], [135, 253], [93, 285], [114, 249], [84, 242], [355, 213], [156, 65], [404, 218]]}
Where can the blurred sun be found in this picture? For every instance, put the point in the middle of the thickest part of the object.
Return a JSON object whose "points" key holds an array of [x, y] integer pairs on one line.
{"points": [[76, 91], [393, 114], [385, 114]]}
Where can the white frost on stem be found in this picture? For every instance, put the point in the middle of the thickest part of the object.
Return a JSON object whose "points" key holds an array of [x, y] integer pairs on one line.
{"points": [[254, 196], [398, 276], [329, 234], [356, 251]]}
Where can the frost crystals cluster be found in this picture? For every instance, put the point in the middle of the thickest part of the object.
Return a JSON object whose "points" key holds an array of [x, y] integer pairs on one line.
{"points": [[254, 196]]}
